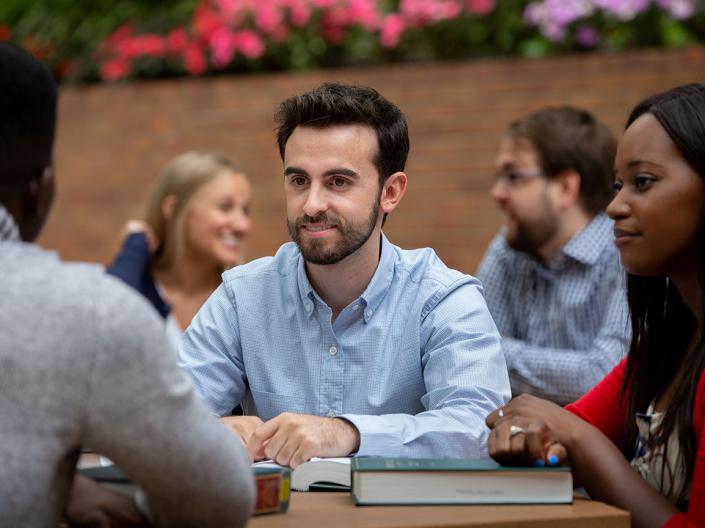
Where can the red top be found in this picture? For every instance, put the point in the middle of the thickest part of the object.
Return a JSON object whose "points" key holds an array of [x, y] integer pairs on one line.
{"points": [[602, 408]]}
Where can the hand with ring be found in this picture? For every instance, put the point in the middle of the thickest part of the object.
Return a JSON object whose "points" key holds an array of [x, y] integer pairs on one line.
{"points": [[521, 436], [515, 430]]}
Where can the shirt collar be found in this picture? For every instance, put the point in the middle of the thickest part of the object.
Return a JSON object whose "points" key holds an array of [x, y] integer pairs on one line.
{"points": [[589, 243], [373, 294], [9, 232]]}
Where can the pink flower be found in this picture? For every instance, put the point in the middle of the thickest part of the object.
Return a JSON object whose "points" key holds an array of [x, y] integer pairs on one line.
{"points": [[250, 44], [222, 44], [194, 60], [300, 12], [227, 7], [480, 7], [205, 22], [363, 12], [151, 45], [176, 41], [115, 39], [333, 22], [268, 17], [450, 10], [392, 28], [115, 69]]}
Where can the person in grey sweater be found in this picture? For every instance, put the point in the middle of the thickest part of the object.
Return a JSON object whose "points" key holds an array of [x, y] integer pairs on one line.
{"points": [[84, 361]]}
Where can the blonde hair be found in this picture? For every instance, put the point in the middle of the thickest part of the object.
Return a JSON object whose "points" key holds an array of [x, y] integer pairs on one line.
{"points": [[181, 178]]}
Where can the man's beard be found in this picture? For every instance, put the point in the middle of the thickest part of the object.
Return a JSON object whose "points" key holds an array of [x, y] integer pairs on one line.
{"points": [[531, 237], [322, 252]]}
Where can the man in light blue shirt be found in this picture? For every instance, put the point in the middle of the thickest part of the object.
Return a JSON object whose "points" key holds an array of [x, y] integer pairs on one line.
{"points": [[342, 342], [552, 277]]}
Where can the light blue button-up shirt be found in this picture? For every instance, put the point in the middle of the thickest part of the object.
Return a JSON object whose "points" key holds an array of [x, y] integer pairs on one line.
{"points": [[414, 362]]}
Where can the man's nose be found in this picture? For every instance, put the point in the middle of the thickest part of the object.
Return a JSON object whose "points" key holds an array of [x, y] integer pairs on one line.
{"points": [[316, 200], [499, 191]]}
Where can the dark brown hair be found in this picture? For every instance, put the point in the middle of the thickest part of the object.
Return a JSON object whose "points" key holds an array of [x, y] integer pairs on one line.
{"points": [[340, 104], [568, 138]]}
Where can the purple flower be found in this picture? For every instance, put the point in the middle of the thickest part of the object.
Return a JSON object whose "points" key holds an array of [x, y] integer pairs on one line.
{"points": [[587, 36], [679, 9]]}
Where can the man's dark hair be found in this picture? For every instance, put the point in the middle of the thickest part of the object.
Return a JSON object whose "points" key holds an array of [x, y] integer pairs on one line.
{"points": [[568, 138], [340, 104], [27, 118]]}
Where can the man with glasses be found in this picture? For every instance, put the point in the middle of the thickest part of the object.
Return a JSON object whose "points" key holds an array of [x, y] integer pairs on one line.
{"points": [[552, 276]]}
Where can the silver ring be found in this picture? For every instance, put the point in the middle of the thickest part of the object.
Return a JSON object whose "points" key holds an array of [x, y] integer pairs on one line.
{"points": [[515, 430], [501, 412]]}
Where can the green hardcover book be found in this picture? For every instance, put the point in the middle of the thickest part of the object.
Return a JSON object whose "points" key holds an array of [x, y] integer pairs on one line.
{"points": [[456, 481]]}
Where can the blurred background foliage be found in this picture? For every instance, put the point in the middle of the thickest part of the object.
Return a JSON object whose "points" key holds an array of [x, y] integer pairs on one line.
{"points": [[105, 40]]}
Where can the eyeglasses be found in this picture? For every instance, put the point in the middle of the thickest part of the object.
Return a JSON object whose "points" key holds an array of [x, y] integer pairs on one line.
{"points": [[514, 178]]}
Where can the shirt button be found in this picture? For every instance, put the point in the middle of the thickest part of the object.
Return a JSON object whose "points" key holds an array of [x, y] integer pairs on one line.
{"points": [[333, 350], [356, 307], [368, 313], [309, 307], [331, 414]]}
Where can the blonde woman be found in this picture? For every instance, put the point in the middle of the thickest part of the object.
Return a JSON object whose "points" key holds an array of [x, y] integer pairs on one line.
{"points": [[197, 217]]}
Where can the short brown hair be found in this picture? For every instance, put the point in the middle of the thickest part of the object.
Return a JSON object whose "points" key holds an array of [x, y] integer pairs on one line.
{"points": [[568, 138], [339, 104]]}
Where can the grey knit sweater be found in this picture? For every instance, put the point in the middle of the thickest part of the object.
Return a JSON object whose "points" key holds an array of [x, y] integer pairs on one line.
{"points": [[84, 362]]}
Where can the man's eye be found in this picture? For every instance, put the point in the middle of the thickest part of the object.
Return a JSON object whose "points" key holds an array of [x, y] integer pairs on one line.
{"points": [[298, 180], [513, 177], [340, 182]]}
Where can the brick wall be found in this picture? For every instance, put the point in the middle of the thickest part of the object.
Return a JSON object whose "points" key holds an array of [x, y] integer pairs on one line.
{"points": [[112, 140]]}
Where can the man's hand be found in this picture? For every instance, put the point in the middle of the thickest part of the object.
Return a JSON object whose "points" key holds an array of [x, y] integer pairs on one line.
{"points": [[242, 426], [292, 439], [90, 504]]}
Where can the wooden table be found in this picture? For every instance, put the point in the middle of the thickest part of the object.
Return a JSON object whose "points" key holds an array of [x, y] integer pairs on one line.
{"points": [[321, 510]]}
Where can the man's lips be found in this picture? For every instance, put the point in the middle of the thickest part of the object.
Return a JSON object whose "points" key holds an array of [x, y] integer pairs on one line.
{"points": [[317, 230]]}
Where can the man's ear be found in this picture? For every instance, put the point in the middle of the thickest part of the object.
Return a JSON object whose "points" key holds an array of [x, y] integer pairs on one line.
{"points": [[568, 186], [392, 192], [168, 207], [36, 202]]}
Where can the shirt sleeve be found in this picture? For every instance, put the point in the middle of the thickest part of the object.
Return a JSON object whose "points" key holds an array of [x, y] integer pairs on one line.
{"points": [[465, 378], [603, 408], [563, 375], [211, 353], [131, 266], [493, 274], [142, 413]]}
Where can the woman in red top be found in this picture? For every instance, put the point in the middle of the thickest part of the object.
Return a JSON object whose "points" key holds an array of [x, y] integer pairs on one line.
{"points": [[636, 440]]}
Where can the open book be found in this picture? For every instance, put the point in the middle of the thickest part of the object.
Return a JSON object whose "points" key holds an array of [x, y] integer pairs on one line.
{"points": [[318, 473]]}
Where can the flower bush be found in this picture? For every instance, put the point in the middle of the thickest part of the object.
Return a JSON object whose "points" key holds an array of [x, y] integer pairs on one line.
{"points": [[90, 40]]}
